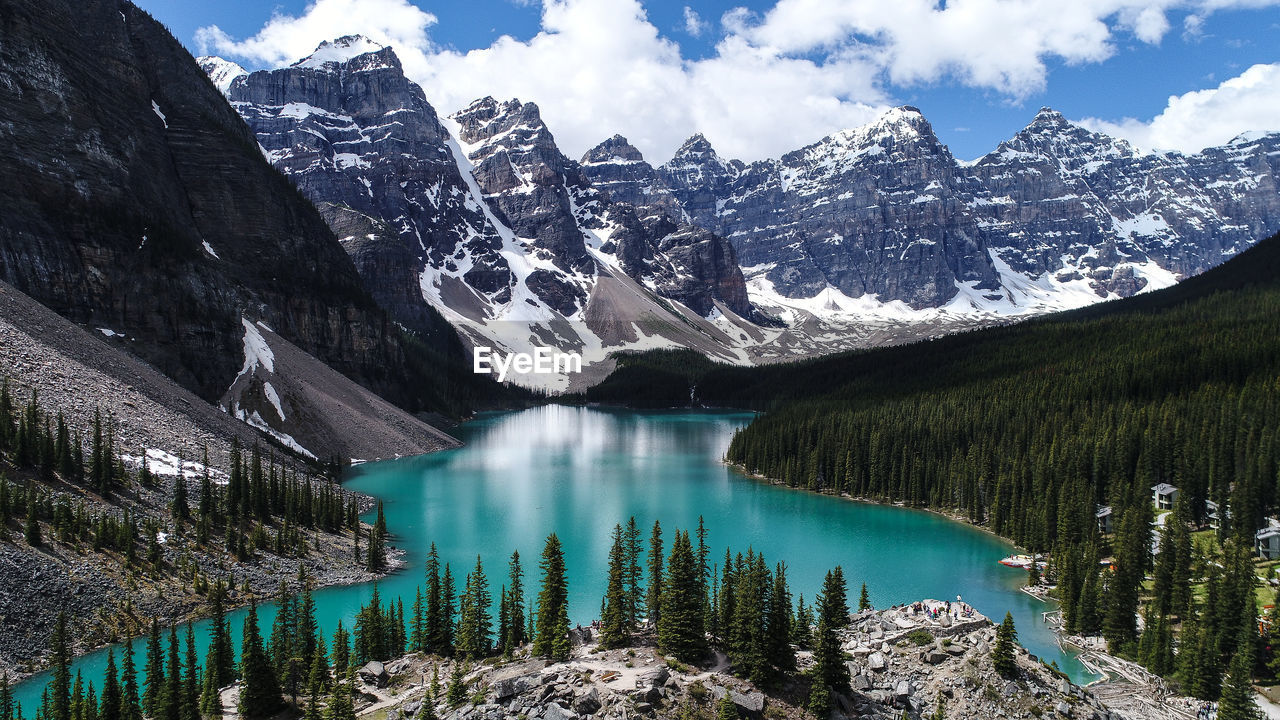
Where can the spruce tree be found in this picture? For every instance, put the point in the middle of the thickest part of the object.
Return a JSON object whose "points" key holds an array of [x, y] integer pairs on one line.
{"points": [[377, 557], [633, 593], [190, 706], [112, 699], [340, 706], [1002, 655], [864, 600], [779, 631], [552, 639], [259, 690], [60, 661], [680, 627], [341, 650], [1237, 701], [474, 620], [6, 692], [613, 620], [131, 707], [515, 602], [653, 598]]}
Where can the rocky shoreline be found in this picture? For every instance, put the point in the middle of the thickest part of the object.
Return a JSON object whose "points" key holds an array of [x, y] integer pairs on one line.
{"points": [[905, 660]]}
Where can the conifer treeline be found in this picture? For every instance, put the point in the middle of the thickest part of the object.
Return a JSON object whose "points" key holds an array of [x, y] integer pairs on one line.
{"points": [[1032, 430], [743, 608], [261, 506]]}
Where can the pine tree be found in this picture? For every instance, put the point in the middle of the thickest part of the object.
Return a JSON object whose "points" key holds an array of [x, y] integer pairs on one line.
{"points": [[190, 706], [802, 628], [31, 532], [377, 558], [6, 692], [131, 707], [60, 661], [340, 707], [180, 511], [259, 691], [653, 598], [418, 623], [341, 650], [1237, 692], [680, 626], [515, 604], [779, 631], [1002, 655], [613, 620], [864, 600], [112, 699], [433, 620], [474, 620], [552, 639], [220, 669], [632, 577], [456, 693], [829, 669]]}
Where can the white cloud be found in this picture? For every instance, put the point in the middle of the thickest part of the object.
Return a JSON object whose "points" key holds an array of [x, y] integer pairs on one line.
{"points": [[693, 23], [1204, 118], [287, 38], [776, 81]]}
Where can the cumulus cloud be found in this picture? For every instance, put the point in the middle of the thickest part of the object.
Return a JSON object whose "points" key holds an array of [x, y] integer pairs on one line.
{"points": [[1204, 118], [776, 80], [286, 38], [693, 23]]}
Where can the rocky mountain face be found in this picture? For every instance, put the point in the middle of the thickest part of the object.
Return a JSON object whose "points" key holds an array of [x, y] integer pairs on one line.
{"points": [[138, 202], [361, 141], [1062, 200], [871, 235], [877, 210], [1057, 216], [479, 216]]}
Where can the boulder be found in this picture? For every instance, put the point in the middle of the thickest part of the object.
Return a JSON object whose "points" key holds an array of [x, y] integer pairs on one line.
{"points": [[653, 678], [374, 673], [505, 687], [555, 712], [876, 661], [1063, 709], [751, 703], [588, 703]]}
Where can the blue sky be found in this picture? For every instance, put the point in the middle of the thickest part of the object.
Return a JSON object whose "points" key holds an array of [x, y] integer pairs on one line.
{"points": [[763, 77]]}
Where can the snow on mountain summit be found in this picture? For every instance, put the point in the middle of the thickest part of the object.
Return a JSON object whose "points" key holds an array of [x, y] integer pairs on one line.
{"points": [[221, 72], [339, 51]]}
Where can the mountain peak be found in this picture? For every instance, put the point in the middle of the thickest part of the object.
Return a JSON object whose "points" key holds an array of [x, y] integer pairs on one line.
{"points": [[339, 51], [221, 72], [696, 147], [1048, 117], [616, 148]]}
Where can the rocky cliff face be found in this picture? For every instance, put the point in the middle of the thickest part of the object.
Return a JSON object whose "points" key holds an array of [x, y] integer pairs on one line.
{"points": [[1057, 216], [137, 200], [654, 239], [873, 234], [480, 216], [362, 142], [1062, 200]]}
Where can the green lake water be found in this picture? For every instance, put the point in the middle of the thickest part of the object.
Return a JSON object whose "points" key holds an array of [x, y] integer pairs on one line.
{"points": [[578, 471]]}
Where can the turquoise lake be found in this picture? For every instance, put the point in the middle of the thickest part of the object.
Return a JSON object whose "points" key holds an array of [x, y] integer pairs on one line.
{"points": [[578, 471]]}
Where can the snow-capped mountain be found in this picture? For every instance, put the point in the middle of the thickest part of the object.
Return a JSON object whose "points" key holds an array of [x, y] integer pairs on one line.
{"points": [[871, 235], [480, 216], [1056, 217]]}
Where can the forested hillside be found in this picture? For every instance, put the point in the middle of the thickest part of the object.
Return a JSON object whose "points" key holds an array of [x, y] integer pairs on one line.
{"points": [[1032, 429]]}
